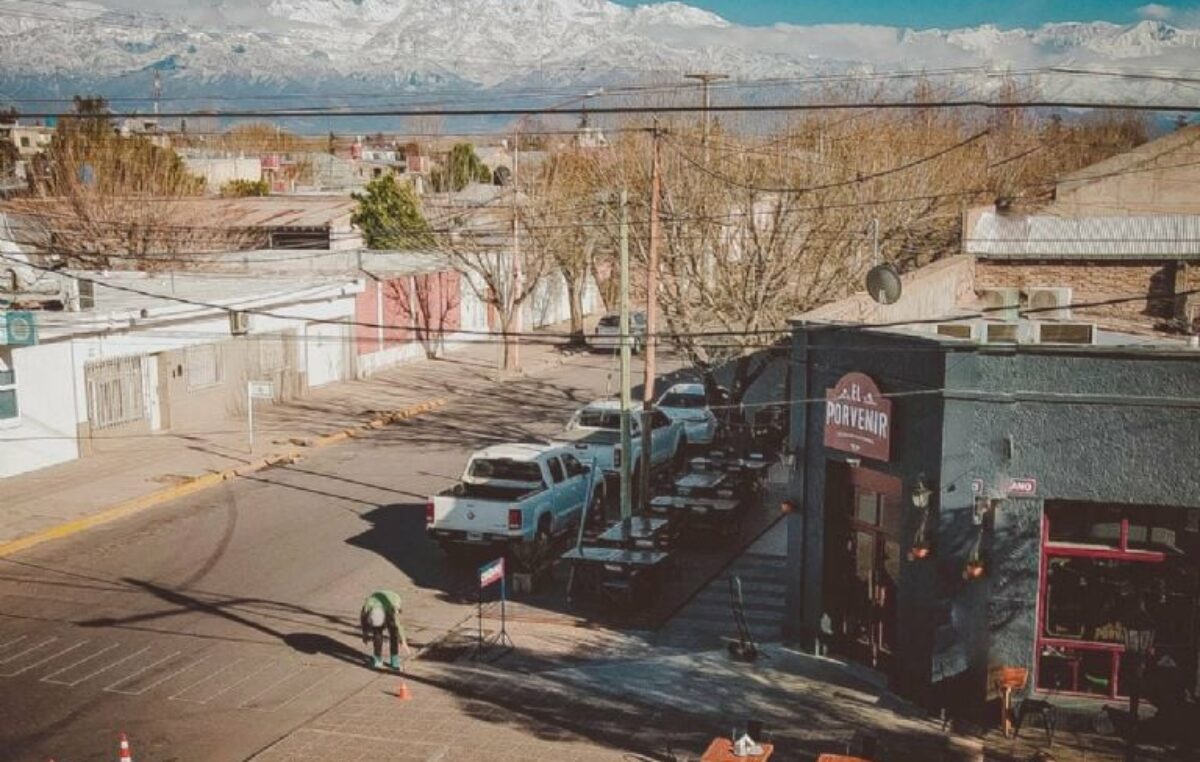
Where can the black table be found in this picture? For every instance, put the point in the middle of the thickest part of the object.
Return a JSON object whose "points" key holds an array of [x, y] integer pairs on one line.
{"points": [[644, 533], [625, 575]]}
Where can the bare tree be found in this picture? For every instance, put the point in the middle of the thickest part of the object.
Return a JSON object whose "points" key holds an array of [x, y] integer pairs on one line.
{"points": [[562, 219], [501, 278], [103, 200]]}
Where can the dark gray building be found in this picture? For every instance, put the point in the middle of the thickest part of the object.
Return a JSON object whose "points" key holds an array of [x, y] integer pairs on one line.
{"points": [[1063, 491]]}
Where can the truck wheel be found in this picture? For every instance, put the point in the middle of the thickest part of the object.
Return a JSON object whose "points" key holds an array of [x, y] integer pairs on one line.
{"points": [[543, 530]]}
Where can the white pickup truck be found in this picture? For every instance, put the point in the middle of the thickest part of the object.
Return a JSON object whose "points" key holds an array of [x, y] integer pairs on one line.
{"points": [[594, 434], [512, 493]]}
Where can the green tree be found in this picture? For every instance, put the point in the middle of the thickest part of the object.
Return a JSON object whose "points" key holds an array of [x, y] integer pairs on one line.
{"points": [[389, 215], [463, 166], [245, 188]]}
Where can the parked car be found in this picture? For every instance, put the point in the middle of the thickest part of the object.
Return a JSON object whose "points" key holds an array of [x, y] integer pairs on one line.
{"points": [[594, 433], [688, 404], [608, 332], [512, 493]]}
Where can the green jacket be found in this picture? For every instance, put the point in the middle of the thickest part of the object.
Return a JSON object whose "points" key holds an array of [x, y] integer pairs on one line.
{"points": [[388, 600]]}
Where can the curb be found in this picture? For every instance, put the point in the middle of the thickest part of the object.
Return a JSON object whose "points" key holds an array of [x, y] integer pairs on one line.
{"points": [[211, 479]]}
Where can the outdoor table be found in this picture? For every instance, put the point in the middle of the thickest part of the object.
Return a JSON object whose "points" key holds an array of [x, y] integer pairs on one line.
{"points": [[721, 750], [646, 533], [710, 512], [700, 481], [629, 566]]}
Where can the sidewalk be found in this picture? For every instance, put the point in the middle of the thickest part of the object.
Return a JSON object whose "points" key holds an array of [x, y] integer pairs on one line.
{"points": [[134, 473], [575, 691]]}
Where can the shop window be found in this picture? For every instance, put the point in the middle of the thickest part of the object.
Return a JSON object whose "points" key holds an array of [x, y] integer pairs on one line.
{"points": [[8, 388], [1099, 563]]}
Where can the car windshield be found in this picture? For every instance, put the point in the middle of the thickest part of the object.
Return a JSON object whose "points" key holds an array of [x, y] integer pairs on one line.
{"points": [[506, 470], [599, 419], [610, 321], [676, 399]]}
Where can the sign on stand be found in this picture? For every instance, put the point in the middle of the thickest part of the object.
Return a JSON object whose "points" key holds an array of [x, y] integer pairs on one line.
{"points": [[256, 390], [489, 574]]}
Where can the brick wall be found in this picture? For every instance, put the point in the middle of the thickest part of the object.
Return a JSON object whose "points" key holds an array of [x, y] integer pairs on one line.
{"points": [[1090, 281]]}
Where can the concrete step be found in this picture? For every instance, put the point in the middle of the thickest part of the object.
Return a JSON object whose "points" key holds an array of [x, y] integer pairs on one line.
{"points": [[749, 603]]}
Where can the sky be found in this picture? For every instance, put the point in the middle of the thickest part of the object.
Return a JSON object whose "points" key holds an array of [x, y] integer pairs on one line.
{"points": [[922, 14]]}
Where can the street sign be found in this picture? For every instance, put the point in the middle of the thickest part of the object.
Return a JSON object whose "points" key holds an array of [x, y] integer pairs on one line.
{"points": [[20, 328], [262, 390]]}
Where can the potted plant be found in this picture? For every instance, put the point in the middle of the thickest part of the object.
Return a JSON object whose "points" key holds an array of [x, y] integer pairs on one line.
{"points": [[530, 562]]}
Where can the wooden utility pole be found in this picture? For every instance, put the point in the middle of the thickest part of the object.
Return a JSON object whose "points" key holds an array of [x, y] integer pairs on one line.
{"points": [[626, 395], [650, 343], [705, 78]]}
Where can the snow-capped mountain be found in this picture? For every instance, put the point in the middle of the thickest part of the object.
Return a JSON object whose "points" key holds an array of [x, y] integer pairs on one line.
{"points": [[221, 48]]}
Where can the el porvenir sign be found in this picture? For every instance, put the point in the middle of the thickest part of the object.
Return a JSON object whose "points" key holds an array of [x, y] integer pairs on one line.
{"points": [[858, 418]]}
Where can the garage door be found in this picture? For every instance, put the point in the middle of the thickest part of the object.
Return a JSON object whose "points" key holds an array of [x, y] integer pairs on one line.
{"points": [[326, 346]]}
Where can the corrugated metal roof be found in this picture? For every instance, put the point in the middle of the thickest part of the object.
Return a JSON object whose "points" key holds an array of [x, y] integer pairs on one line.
{"points": [[1173, 236], [268, 211]]}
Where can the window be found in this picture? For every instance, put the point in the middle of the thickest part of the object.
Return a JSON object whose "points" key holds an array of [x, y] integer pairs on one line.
{"points": [[661, 421], [506, 470], [24, 142], [574, 467], [689, 401], [8, 388], [599, 419], [203, 366], [556, 470], [1099, 562]]}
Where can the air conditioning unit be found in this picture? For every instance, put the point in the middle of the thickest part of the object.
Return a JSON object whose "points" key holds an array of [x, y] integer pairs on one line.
{"points": [[1065, 333], [1049, 303], [239, 323], [1001, 333], [956, 330], [1001, 303]]}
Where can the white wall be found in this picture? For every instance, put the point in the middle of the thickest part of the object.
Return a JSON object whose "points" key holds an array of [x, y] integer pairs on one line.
{"points": [[45, 432], [217, 172]]}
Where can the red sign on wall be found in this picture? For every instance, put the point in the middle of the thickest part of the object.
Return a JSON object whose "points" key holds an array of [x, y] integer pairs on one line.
{"points": [[858, 418]]}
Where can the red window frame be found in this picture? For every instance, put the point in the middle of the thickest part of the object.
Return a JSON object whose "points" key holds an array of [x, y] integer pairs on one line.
{"points": [[1072, 550]]}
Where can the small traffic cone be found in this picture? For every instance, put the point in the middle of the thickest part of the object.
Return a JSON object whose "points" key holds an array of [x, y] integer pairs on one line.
{"points": [[404, 694], [125, 756]]}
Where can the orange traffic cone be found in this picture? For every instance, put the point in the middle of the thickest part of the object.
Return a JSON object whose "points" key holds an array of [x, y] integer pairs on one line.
{"points": [[404, 694], [126, 756]]}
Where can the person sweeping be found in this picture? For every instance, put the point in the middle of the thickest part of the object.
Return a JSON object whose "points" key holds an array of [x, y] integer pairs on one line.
{"points": [[381, 611]]}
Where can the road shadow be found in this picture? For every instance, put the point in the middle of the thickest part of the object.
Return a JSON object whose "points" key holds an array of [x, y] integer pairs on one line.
{"points": [[314, 644]]}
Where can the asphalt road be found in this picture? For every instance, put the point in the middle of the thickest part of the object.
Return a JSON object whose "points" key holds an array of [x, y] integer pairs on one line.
{"points": [[210, 627]]}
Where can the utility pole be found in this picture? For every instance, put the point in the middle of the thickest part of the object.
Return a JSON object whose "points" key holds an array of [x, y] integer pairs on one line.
{"points": [[705, 78], [514, 357], [649, 346], [626, 396]]}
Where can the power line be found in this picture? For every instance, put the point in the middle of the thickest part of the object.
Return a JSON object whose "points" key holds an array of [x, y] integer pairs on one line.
{"points": [[340, 113]]}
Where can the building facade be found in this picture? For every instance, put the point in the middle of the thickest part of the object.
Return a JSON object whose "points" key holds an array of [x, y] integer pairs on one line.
{"points": [[1062, 489]]}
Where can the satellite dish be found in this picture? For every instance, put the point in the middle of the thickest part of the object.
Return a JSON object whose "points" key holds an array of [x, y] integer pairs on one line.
{"points": [[883, 283]]}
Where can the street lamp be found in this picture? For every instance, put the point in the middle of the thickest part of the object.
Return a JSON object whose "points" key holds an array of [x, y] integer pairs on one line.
{"points": [[1139, 642], [921, 546]]}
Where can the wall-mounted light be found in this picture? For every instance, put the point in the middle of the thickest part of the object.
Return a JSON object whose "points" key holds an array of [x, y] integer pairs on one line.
{"points": [[787, 507], [922, 546], [976, 564]]}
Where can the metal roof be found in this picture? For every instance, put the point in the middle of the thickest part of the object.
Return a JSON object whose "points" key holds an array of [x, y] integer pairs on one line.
{"points": [[1005, 236]]}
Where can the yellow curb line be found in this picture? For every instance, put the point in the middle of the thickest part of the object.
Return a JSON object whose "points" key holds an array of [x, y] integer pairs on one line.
{"points": [[152, 499]]}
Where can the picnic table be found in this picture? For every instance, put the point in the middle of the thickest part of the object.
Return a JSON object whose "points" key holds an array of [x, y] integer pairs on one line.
{"points": [[619, 572], [721, 750], [645, 532]]}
